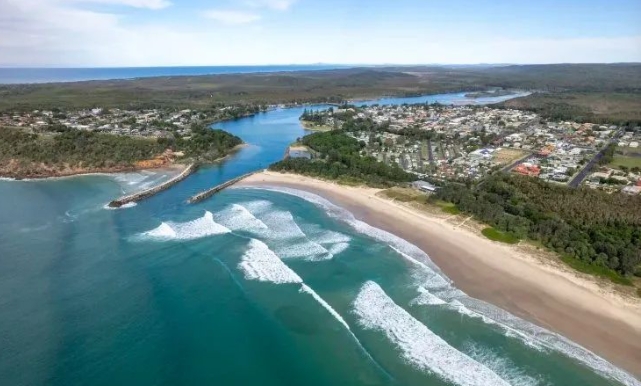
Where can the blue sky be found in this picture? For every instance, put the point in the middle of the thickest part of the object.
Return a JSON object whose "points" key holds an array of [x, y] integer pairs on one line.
{"points": [[253, 32]]}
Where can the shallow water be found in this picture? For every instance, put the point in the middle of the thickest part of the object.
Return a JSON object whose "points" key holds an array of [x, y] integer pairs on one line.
{"points": [[250, 287]]}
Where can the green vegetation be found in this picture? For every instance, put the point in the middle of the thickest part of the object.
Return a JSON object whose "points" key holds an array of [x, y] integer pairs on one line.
{"points": [[25, 154], [496, 235], [448, 207], [598, 229], [340, 159], [620, 161], [204, 144], [593, 107], [596, 270], [599, 92]]}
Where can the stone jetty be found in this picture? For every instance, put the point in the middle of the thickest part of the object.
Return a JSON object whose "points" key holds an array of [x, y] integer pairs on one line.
{"points": [[155, 190], [210, 192]]}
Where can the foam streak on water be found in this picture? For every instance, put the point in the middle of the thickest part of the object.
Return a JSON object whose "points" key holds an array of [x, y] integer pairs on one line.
{"points": [[305, 288], [419, 346], [261, 263], [532, 335]]}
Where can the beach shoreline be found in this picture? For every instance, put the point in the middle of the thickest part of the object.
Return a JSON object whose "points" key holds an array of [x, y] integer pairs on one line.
{"points": [[565, 302]]}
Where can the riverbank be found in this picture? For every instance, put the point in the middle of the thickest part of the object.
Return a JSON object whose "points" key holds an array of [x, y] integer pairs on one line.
{"points": [[569, 303], [314, 127]]}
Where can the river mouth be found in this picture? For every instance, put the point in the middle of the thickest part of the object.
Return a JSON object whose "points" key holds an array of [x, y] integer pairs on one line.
{"points": [[251, 287]]}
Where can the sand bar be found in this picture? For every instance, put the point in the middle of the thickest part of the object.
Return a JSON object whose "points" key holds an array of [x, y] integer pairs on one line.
{"points": [[557, 299]]}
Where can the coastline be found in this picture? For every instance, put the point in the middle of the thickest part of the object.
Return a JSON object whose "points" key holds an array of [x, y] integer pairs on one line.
{"points": [[571, 304], [176, 167]]}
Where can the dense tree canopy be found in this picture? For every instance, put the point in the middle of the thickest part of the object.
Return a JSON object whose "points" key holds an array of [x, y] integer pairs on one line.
{"points": [[338, 156], [589, 225], [85, 149]]}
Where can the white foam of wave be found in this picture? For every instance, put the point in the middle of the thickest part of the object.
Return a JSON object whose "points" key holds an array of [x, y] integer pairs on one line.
{"points": [[502, 366], [426, 298], [542, 338], [237, 217], [201, 227], [164, 231], [513, 326], [305, 288], [337, 249], [258, 206], [428, 276], [125, 206], [263, 221], [420, 347], [343, 215], [262, 264], [7, 179]]}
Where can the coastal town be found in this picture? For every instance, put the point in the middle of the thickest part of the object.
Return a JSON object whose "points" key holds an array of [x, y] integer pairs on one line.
{"points": [[470, 142], [153, 123]]}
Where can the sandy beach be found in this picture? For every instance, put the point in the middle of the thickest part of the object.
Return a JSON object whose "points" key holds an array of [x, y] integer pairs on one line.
{"points": [[581, 308]]}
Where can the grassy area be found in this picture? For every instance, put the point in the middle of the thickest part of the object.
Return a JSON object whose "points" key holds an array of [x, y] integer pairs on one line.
{"points": [[406, 195], [629, 162], [596, 270], [314, 127], [496, 235], [448, 207]]}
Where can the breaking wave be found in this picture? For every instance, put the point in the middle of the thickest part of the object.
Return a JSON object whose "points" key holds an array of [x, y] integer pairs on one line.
{"points": [[280, 229], [502, 366], [201, 227], [432, 280], [419, 346], [262, 264], [426, 298]]}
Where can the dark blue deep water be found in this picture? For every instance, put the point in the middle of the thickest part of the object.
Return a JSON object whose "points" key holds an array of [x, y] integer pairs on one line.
{"points": [[50, 75]]}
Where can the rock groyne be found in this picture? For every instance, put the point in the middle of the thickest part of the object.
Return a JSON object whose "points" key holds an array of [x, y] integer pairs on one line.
{"points": [[155, 190], [210, 192]]}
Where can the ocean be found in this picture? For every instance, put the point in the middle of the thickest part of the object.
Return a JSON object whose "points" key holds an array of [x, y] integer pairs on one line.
{"points": [[251, 287], [50, 75]]}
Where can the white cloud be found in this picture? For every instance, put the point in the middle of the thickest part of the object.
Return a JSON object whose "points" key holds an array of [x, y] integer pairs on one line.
{"points": [[231, 17], [67, 33], [279, 5], [149, 4]]}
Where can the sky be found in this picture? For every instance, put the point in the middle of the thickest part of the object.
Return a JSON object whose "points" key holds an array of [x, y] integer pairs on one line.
{"points": [[131, 33]]}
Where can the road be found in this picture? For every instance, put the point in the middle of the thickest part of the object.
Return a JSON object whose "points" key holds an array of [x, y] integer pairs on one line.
{"points": [[576, 181]]}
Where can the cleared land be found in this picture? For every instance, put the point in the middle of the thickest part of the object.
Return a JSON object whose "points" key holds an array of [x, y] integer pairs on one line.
{"points": [[507, 156], [629, 162]]}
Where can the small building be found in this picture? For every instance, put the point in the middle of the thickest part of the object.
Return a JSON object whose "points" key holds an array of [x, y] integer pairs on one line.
{"points": [[632, 190], [424, 186]]}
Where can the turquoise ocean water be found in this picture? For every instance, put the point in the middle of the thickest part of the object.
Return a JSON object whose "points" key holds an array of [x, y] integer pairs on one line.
{"points": [[251, 287]]}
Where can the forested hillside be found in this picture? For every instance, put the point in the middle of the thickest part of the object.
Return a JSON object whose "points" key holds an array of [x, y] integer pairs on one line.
{"points": [[24, 154]]}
